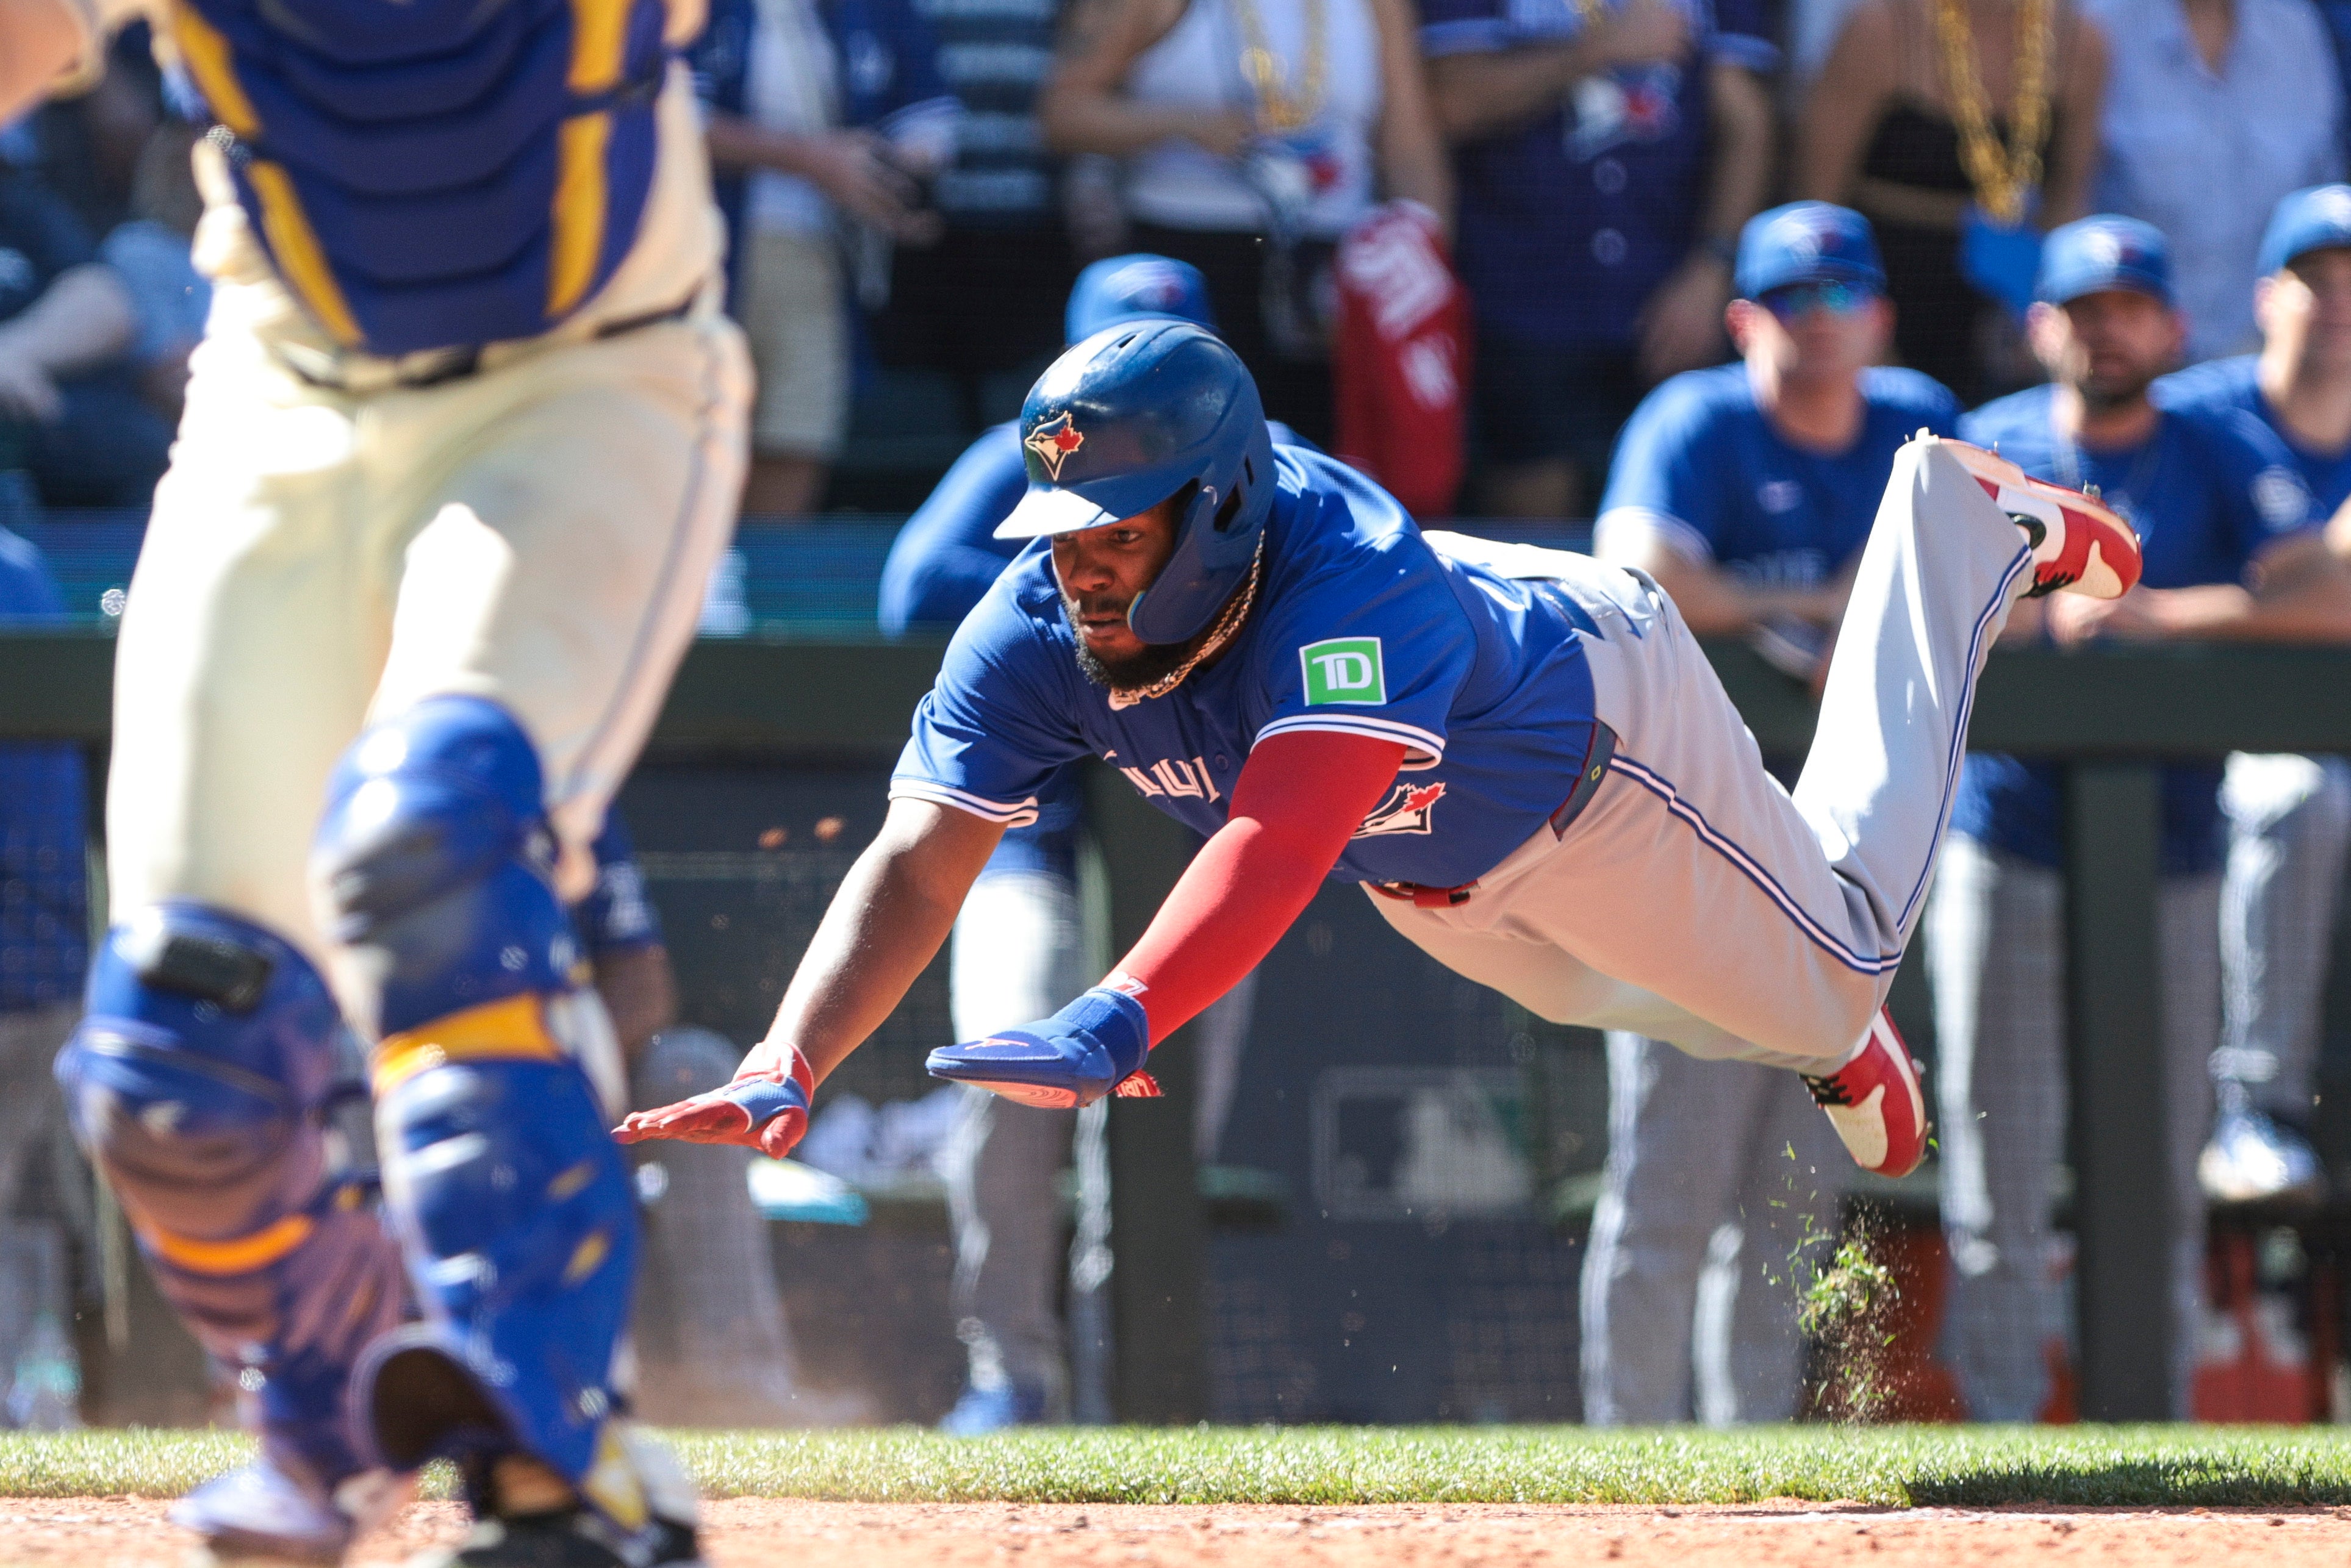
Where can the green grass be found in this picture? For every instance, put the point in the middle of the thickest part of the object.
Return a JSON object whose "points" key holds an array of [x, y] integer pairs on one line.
{"points": [[2080, 1466]]}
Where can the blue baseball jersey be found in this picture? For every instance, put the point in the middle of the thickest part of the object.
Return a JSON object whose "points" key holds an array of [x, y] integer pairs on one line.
{"points": [[2233, 385], [1359, 627], [44, 884], [2207, 492], [943, 562], [1700, 464], [616, 915], [1566, 226]]}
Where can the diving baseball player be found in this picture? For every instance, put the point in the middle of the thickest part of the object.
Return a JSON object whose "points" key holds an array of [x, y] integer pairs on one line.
{"points": [[1523, 754], [462, 443]]}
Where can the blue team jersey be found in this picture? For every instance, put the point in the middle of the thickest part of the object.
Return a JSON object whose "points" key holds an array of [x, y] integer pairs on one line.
{"points": [[1359, 627], [44, 888], [1567, 224], [1701, 463], [616, 915], [2207, 492], [2233, 385]]}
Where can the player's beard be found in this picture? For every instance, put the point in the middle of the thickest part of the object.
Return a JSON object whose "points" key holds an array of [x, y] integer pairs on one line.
{"points": [[1130, 671], [2109, 395]]}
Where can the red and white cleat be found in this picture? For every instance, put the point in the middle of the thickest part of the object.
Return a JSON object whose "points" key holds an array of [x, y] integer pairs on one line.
{"points": [[1874, 1104], [2078, 545]]}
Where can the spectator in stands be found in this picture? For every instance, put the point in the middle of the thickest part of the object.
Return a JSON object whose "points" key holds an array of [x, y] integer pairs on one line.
{"points": [[1901, 123], [150, 252], [2289, 817], [1747, 492], [822, 115], [1607, 155], [1255, 133], [2233, 550], [65, 323], [710, 1332], [984, 305], [2214, 110], [44, 949]]}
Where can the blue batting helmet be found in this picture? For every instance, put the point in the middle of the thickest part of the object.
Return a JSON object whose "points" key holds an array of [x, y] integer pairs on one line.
{"points": [[1132, 417]]}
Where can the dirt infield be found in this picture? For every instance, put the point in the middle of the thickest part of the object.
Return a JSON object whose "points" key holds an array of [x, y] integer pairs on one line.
{"points": [[750, 1533]]}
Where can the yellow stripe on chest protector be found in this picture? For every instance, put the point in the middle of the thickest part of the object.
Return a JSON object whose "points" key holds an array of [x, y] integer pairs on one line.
{"points": [[237, 1255], [512, 1029]]}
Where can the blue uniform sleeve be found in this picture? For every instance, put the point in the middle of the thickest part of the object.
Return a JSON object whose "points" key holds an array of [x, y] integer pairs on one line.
{"points": [[1660, 481], [1369, 641], [1462, 27], [945, 559], [28, 594], [998, 721], [616, 914], [2262, 493], [1742, 35]]}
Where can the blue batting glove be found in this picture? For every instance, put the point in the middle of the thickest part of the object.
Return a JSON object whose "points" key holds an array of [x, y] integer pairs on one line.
{"points": [[1093, 1047]]}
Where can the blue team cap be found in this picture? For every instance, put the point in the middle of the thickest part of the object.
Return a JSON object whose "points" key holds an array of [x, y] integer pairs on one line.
{"points": [[1806, 242], [2317, 218], [1139, 288], [2092, 254]]}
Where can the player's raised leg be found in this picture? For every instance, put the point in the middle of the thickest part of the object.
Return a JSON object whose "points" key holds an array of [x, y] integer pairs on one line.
{"points": [[198, 1077], [548, 592]]}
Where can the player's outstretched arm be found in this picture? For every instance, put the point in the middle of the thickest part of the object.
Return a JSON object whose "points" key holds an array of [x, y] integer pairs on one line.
{"points": [[897, 906], [1298, 799]]}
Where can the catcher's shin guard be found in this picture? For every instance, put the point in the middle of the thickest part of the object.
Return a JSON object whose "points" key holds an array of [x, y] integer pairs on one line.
{"points": [[510, 1196], [199, 1081]]}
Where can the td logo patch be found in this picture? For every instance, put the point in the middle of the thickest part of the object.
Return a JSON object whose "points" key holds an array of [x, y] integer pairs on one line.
{"points": [[1345, 669]]}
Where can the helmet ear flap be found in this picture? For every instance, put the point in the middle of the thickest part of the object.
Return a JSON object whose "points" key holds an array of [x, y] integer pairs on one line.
{"points": [[1153, 615]]}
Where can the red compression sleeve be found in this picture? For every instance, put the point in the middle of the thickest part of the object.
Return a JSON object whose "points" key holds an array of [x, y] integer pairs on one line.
{"points": [[1300, 796]]}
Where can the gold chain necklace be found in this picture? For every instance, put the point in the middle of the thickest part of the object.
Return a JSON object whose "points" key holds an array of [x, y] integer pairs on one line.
{"points": [[1221, 634], [1277, 109], [2004, 177]]}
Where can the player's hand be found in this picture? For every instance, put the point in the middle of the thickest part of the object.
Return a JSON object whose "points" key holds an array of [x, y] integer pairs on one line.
{"points": [[764, 1108], [1093, 1047], [1641, 33], [26, 391], [1681, 325], [854, 168]]}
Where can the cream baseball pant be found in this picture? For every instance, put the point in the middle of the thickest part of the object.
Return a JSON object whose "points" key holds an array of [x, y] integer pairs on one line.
{"points": [[537, 534], [1694, 900]]}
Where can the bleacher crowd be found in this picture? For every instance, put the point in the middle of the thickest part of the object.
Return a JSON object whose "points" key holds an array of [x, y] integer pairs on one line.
{"points": [[1693, 267]]}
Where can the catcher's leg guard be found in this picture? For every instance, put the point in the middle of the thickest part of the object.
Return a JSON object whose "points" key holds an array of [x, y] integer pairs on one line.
{"points": [[198, 1081], [510, 1196]]}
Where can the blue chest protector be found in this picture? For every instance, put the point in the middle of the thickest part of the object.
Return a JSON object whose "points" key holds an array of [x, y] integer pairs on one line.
{"points": [[434, 174]]}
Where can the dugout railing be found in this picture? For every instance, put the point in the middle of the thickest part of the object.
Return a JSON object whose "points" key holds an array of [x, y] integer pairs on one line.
{"points": [[2110, 715]]}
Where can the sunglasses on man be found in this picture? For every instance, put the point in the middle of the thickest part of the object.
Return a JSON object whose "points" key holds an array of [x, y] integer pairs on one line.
{"points": [[1801, 299]]}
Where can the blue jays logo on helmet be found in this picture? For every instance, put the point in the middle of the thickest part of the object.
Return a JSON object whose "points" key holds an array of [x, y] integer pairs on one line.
{"points": [[1140, 414], [1053, 442]]}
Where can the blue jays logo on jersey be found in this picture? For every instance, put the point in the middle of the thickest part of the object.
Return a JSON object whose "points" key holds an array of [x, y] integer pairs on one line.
{"points": [[1634, 106], [1053, 442], [1405, 811]]}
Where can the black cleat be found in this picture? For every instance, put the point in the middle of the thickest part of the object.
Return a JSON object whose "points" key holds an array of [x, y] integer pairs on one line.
{"points": [[569, 1538]]}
